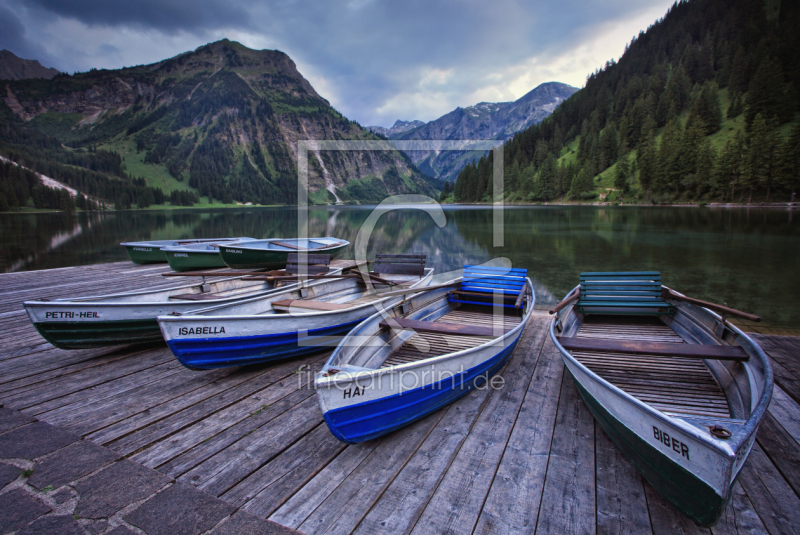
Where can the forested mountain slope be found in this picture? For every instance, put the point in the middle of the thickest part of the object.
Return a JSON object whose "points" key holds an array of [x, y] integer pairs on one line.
{"points": [[221, 122], [701, 106]]}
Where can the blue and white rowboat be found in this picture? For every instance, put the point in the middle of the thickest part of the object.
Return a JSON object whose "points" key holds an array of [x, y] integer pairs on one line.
{"points": [[301, 320], [406, 362]]}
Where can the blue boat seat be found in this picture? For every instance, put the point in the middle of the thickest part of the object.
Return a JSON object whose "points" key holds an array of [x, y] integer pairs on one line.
{"points": [[633, 292], [480, 285]]}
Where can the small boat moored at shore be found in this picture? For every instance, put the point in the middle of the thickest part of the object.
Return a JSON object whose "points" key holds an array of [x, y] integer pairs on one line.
{"points": [[272, 253], [297, 321], [150, 252], [129, 318], [406, 362], [678, 389]]}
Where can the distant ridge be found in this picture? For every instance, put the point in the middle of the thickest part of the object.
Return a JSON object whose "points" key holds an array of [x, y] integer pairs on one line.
{"points": [[16, 68], [486, 120]]}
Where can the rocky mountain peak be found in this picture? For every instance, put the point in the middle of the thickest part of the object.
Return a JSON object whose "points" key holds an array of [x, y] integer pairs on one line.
{"points": [[16, 68]]}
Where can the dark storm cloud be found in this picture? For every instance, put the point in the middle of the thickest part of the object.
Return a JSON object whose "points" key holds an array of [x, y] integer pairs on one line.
{"points": [[13, 37], [163, 15], [376, 60]]}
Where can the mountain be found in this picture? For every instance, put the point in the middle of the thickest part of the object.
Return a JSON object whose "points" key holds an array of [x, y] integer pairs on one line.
{"points": [[486, 120], [700, 107], [398, 128], [14, 68], [222, 122]]}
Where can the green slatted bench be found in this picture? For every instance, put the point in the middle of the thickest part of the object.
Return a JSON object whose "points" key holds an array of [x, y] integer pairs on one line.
{"points": [[479, 284], [633, 292]]}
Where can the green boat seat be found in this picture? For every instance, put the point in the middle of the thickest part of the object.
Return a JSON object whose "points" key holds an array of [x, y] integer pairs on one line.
{"points": [[633, 292], [480, 285]]}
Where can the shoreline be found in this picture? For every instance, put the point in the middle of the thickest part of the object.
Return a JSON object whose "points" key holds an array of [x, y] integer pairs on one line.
{"points": [[791, 205]]}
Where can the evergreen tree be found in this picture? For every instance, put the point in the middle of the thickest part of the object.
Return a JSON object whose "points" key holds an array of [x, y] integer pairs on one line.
{"points": [[766, 93], [621, 177], [790, 162]]}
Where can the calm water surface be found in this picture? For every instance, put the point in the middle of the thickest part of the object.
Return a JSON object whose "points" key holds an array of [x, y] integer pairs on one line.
{"points": [[748, 258]]}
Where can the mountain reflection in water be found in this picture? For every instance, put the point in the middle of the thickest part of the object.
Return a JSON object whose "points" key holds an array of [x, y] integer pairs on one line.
{"points": [[745, 257]]}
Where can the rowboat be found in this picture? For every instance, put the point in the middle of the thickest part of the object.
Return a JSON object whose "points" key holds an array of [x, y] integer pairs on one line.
{"points": [[272, 253], [194, 256], [130, 317], [679, 389], [423, 353], [149, 252], [285, 324]]}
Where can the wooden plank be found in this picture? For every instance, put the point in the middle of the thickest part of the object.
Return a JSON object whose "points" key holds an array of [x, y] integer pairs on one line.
{"points": [[295, 510], [666, 349], [621, 501], [222, 471], [343, 509], [782, 449], [772, 497], [209, 412], [442, 328], [514, 499], [400, 506], [288, 304], [87, 378], [568, 499], [457, 502], [213, 385], [785, 364], [269, 487], [103, 413], [786, 411], [740, 517], [665, 519]]}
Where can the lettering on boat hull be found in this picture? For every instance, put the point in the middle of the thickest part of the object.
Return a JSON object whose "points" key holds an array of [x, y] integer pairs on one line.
{"points": [[184, 331], [671, 442], [71, 315]]}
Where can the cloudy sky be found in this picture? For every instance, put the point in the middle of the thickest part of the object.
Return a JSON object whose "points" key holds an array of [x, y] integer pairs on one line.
{"points": [[374, 60]]}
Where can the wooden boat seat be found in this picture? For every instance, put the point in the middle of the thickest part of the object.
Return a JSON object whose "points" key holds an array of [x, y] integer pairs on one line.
{"points": [[399, 264], [635, 292], [323, 306], [315, 264], [479, 285], [666, 349], [442, 328]]}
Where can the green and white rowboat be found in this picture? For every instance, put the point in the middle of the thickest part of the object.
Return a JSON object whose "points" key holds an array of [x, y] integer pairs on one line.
{"points": [[149, 252], [200, 255], [679, 390], [128, 318], [272, 253]]}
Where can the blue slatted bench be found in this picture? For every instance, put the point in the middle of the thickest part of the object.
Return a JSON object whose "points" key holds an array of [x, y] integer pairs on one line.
{"points": [[634, 292], [479, 284]]}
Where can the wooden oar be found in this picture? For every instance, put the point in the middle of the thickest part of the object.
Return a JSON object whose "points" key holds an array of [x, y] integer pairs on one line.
{"points": [[723, 310], [575, 294]]}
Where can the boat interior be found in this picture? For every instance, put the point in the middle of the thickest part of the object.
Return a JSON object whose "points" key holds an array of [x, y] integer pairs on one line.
{"points": [[437, 323], [349, 291], [294, 244], [672, 355]]}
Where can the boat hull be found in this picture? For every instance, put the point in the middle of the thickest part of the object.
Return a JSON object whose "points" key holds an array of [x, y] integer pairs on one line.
{"points": [[140, 254], [86, 335], [692, 496], [243, 258], [188, 260], [377, 417], [212, 353]]}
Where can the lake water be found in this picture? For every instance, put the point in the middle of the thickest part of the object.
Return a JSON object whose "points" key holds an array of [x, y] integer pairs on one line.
{"points": [[748, 258]]}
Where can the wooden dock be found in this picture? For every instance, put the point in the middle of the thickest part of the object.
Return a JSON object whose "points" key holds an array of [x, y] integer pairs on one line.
{"points": [[525, 458]]}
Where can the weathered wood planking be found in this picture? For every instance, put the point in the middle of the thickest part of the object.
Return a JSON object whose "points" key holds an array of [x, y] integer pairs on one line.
{"points": [[521, 459]]}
